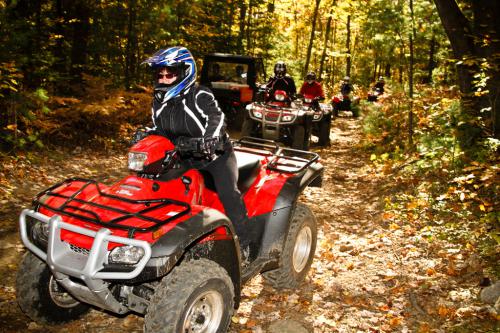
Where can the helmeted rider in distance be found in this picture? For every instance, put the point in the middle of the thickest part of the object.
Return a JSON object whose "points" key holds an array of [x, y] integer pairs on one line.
{"points": [[379, 85], [182, 109], [281, 81], [312, 88], [346, 87]]}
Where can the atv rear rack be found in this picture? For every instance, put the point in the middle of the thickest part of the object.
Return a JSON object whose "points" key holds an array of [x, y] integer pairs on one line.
{"points": [[285, 160], [66, 208]]}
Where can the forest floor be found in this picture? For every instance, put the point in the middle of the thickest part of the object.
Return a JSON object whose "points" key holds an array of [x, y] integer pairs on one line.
{"points": [[369, 275]]}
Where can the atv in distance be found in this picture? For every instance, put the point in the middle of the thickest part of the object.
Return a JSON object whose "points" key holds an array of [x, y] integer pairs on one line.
{"points": [[234, 80], [280, 119], [344, 103], [158, 242]]}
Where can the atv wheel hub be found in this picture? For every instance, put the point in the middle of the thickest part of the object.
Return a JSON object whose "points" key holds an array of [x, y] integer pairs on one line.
{"points": [[302, 249], [60, 296], [205, 313]]}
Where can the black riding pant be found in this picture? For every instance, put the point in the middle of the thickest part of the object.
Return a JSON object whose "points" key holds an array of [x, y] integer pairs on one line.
{"points": [[224, 172]]}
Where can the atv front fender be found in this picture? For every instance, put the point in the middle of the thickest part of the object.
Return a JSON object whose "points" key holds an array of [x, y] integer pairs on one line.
{"points": [[191, 235]]}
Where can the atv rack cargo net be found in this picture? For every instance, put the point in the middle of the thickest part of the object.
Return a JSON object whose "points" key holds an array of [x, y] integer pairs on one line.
{"points": [[72, 206]]}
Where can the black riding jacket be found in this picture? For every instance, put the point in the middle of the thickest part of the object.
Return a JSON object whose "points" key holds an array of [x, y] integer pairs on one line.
{"points": [[284, 83], [195, 113]]}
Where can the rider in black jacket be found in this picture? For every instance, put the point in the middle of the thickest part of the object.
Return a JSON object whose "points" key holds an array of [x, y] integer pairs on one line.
{"points": [[281, 81], [183, 109]]}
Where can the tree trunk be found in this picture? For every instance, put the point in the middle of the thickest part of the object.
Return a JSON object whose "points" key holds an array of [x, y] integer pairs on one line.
{"points": [[327, 39], [81, 33], [348, 47], [432, 64], [470, 42], [241, 34], [130, 60], [311, 39]]}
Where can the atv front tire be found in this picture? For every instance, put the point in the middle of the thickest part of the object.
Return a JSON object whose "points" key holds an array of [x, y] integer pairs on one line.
{"points": [[247, 127], [324, 131], [298, 138], [41, 297], [298, 252], [196, 296]]}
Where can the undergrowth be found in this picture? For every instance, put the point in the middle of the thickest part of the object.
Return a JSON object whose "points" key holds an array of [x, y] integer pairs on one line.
{"points": [[435, 187]]}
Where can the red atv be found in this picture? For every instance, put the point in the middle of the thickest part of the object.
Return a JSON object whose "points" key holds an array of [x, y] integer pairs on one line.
{"points": [[290, 122], [158, 242]]}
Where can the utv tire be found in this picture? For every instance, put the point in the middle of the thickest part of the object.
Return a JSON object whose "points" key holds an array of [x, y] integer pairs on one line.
{"points": [[298, 252], [196, 296], [324, 131], [41, 298], [298, 137]]}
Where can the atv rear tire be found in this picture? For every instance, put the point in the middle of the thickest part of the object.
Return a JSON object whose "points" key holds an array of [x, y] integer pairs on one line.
{"points": [[298, 252], [298, 138], [41, 298], [196, 296]]}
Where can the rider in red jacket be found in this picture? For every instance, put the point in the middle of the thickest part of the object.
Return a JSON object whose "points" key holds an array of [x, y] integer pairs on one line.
{"points": [[312, 88]]}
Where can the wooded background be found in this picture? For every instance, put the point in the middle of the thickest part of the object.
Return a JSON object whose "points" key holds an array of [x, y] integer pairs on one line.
{"points": [[58, 47]]}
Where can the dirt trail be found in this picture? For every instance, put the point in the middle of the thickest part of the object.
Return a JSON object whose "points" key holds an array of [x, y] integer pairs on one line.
{"points": [[367, 275]]}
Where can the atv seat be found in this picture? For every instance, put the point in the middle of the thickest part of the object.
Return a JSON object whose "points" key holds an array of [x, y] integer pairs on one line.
{"points": [[248, 169]]}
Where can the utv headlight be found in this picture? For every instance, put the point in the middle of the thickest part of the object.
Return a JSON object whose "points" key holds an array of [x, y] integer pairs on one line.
{"points": [[308, 100], [316, 116], [126, 255], [136, 161], [287, 118]]}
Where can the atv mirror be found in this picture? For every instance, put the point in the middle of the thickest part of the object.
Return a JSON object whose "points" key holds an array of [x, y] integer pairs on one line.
{"points": [[186, 180]]}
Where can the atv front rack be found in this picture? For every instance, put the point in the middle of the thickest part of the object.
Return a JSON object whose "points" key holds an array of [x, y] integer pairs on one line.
{"points": [[285, 160], [69, 208]]}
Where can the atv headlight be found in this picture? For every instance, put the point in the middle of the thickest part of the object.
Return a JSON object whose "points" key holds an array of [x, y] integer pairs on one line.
{"points": [[126, 255], [308, 100], [279, 97], [316, 116], [257, 113], [136, 161], [40, 232], [287, 118]]}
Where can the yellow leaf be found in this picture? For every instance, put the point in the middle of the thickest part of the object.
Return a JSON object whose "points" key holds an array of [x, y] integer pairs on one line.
{"points": [[482, 208], [12, 127], [235, 319], [394, 226]]}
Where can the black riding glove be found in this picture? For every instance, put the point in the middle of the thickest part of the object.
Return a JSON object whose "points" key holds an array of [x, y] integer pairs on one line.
{"points": [[139, 134]]}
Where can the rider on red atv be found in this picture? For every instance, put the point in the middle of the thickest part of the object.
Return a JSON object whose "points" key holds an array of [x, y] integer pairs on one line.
{"points": [[312, 89], [281, 81], [182, 110]]}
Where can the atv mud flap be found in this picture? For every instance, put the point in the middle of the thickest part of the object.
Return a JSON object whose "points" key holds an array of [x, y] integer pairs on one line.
{"points": [[65, 262]]}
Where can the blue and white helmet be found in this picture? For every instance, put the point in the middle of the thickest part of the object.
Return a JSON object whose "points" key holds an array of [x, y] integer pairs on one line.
{"points": [[180, 59]]}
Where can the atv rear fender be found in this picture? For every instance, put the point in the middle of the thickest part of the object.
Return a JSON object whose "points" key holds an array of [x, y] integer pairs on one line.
{"points": [[278, 222]]}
